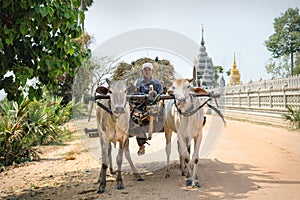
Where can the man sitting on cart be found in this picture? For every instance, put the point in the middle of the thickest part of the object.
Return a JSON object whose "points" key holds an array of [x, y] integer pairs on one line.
{"points": [[143, 86]]}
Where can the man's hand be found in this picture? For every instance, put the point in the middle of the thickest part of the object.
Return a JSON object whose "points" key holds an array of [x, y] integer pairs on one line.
{"points": [[152, 95]]}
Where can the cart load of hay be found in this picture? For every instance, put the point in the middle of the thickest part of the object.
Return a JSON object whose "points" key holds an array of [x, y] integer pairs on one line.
{"points": [[163, 71]]}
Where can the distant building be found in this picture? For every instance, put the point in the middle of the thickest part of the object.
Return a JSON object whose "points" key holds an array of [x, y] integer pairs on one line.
{"points": [[234, 77], [204, 73], [221, 81]]}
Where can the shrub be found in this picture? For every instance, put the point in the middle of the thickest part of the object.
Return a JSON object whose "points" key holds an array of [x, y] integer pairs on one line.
{"points": [[32, 123], [293, 116]]}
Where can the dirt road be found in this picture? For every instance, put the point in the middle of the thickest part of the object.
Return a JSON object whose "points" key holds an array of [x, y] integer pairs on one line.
{"points": [[249, 161]]}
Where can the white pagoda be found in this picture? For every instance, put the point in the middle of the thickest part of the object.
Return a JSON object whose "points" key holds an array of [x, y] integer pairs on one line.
{"points": [[204, 74]]}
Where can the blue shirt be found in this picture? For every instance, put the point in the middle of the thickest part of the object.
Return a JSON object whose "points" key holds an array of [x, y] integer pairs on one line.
{"points": [[143, 86]]}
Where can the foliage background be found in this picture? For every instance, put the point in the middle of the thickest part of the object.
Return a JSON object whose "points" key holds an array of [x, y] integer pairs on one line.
{"points": [[36, 42], [40, 43], [285, 42]]}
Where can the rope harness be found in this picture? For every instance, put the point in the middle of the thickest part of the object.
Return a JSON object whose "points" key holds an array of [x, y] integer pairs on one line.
{"points": [[191, 111], [107, 109]]}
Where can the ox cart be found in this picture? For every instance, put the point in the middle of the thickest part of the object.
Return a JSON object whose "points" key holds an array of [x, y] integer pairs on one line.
{"points": [[117, 121]]}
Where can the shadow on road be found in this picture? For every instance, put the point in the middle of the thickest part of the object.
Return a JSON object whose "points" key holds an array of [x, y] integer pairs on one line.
{"points": [[219, 181]]}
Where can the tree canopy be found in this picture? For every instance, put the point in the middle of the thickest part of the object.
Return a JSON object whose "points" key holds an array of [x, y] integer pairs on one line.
{"points": [[286, 39], [278, 67], [36, 41]]}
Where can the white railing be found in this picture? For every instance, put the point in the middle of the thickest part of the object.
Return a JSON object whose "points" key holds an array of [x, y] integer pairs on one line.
{"points": [[265, 95]]}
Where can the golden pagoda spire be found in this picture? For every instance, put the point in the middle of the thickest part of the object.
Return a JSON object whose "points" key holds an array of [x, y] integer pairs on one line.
{"points": [[234, 77], [234, 63]]}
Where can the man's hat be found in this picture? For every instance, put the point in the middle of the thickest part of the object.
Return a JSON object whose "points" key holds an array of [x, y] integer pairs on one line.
{"points": [[149, 65]]}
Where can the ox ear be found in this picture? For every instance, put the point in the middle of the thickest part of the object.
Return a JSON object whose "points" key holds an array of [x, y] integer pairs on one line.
{"points": [[199, 90], [102, 90]]}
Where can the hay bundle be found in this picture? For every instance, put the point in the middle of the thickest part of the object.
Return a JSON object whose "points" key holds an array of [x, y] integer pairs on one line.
{"points": [[163, 71]]}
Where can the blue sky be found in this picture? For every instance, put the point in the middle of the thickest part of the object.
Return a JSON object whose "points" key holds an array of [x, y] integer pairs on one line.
{"points": [[239, 26]]}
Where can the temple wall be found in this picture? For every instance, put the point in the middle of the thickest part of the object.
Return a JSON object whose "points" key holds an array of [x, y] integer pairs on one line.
{"points": [[263, 101]]}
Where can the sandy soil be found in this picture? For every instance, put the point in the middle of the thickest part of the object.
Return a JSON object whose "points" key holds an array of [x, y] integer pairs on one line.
{"points": [[249, 161]]}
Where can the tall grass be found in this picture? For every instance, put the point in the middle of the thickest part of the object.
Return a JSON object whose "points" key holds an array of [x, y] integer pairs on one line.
{"points": [[32, 123]]}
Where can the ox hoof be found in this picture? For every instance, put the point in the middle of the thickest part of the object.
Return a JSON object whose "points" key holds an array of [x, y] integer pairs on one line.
{"points": [[120, 187], [112, 171], [100, 191], [140, 179], [196, 185], [188, 182], [167, 176]]}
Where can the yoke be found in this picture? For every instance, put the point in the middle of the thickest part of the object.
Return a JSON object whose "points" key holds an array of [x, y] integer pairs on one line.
{"points": [[144, 105]]}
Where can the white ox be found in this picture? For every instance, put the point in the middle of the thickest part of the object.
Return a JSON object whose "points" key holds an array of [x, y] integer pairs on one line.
{"points": [[113, 123], [182, 117]]}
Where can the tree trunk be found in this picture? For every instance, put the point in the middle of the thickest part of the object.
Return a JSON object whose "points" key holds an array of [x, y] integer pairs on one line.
{"points": [[292, 63], [82, 44]]}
